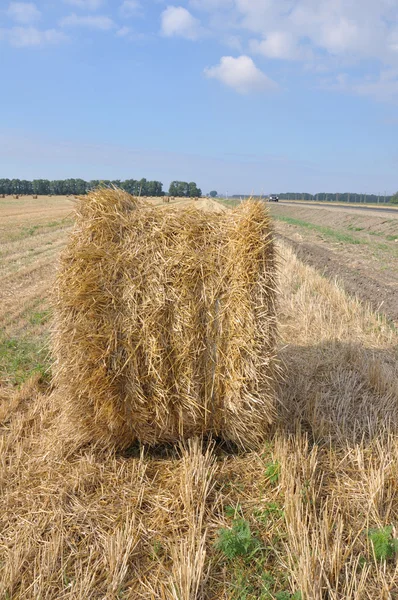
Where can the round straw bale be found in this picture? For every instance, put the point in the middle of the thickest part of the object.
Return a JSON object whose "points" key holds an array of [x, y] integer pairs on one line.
{"points": [[165, 322]]}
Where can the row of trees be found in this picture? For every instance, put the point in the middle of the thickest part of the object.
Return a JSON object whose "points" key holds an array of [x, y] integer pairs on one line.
{"points": [[184, 190], [394, 198], [63, 187]]}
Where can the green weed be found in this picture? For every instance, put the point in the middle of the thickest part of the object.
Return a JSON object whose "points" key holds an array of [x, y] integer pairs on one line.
{"points": [[352, 228], [157, 550], [27, 231], [256, 584], [272, 511], [385, 547], [272, 472], [20, 358], [232, 511], [237, 540], [35, 229], [39, 318], [231, 202], [338, 236]]}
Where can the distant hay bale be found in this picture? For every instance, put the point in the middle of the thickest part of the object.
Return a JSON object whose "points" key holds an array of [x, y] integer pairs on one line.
{"points": [[16, 196], [3, 196], [35, 196], [165, 322]]}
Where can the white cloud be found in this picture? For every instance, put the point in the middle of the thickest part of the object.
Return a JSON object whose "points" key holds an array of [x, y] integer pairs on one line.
{"points": [[241, 74], [278, 44], [178, 21], [86, 4], [393, 41], [383, 87], [233, 41], [339, 36], [262, 15], [123, 31], [23, 12], [130, 8], [100, 22], [21, 37], [356, 37], [358, 28]]}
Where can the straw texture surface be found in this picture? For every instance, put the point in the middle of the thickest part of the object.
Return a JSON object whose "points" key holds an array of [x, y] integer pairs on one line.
{"points": [[165, 322]]}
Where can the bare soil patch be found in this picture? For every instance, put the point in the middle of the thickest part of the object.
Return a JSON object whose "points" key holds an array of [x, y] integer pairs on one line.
{"points": [[357, 282], [358, 249]]}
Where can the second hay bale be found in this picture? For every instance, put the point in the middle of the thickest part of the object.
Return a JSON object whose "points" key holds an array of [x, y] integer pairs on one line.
{"points": [[165, 322]]}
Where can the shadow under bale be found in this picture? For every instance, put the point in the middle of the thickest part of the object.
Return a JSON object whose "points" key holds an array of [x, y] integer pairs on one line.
{"points": [[338, 392]]}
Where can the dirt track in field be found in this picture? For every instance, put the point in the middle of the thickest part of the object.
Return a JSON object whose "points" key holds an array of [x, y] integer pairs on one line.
{"points": [[366, 267], [382, 298]]}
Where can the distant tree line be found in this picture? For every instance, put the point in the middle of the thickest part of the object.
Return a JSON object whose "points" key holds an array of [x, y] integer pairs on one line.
{"points": [[184, 190], [331, 197], [64, 187]]}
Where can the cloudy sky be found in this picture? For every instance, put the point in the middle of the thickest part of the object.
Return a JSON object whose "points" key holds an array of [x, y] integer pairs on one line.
{"points": [[237, 95]]}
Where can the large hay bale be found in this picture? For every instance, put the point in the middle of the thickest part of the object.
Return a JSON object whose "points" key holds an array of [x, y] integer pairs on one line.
{"points": [[165, 322]]}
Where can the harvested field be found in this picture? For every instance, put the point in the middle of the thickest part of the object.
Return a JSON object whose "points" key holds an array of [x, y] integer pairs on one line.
{"points": [[358, 248], [311, 515], [32, 233]]}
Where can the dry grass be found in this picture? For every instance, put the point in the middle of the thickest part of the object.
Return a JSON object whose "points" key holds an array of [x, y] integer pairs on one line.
{"points": [[86, 523]]}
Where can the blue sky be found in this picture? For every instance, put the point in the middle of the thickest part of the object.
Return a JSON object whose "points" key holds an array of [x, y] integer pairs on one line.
{"points": [[238, 95]]}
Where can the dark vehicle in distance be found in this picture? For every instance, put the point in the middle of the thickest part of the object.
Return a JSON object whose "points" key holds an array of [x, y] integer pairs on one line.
{"points": [[273, 198]]}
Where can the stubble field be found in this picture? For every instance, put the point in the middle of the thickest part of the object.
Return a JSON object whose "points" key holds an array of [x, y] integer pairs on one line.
{"points": [[311, 515]]}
